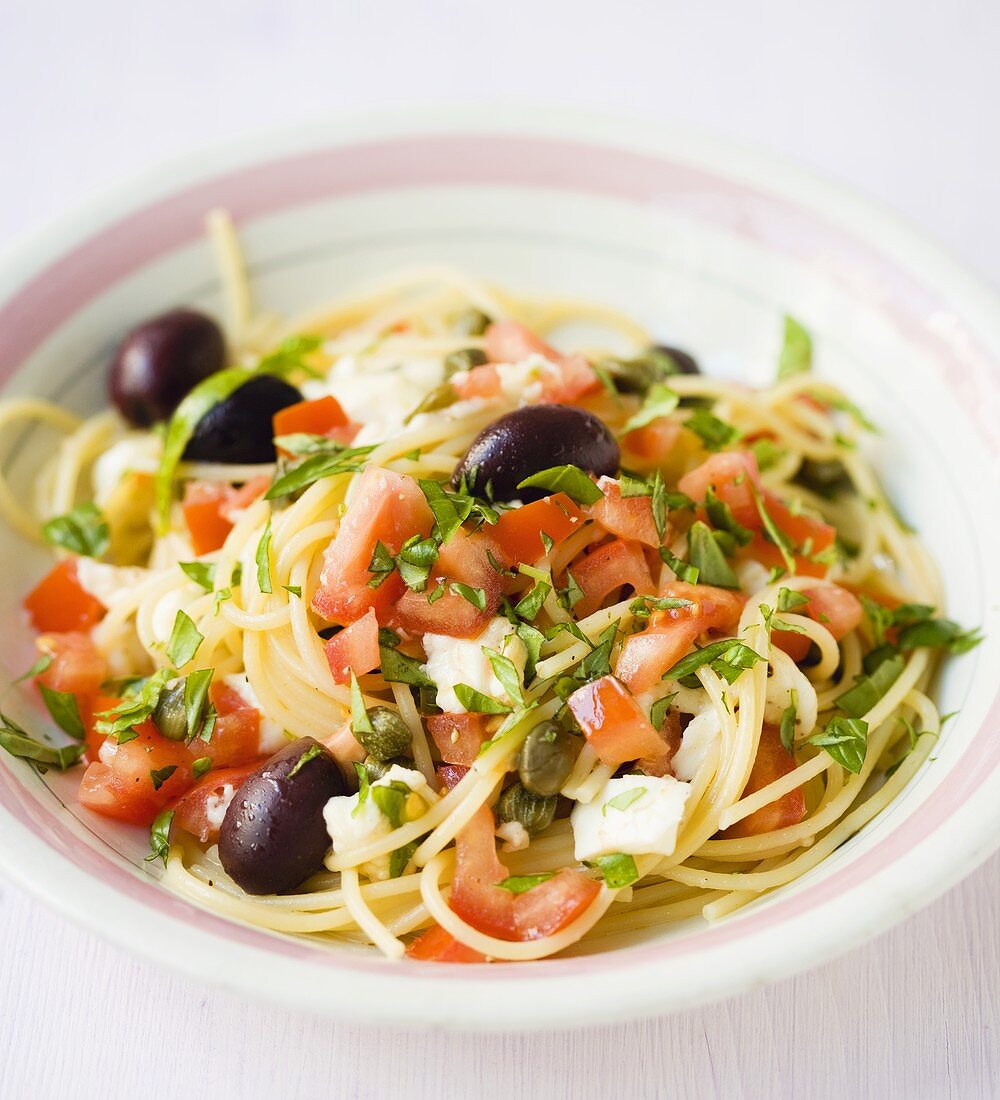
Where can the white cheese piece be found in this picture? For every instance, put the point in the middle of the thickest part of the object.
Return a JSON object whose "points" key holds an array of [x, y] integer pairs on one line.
{"points": [[216, 805], [523, 381], [354, 824], [752, 576], [696, 742], [785, 678], [514, 835], [452, 661], [109, 583], [272, 736], [138, 452], [634, 814]]}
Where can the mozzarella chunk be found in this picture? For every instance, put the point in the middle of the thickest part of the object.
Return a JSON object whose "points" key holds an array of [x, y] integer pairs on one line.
{"points": [[696, 743], [353, 824], [634, 814], [138, 452], [522, 382], [272, 735], [216, 805], [452, 661], [786, 678], [109, 583], [752, 576]]}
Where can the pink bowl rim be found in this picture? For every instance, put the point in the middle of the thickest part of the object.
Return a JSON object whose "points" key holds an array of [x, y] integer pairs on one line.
{"points": [[41, 285]]}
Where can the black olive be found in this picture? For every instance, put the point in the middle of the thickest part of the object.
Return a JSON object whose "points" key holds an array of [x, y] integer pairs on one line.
{"points": [[531, 439], [683, 362], [160, 361], [827, 477], [240, 429], [273, 836]]}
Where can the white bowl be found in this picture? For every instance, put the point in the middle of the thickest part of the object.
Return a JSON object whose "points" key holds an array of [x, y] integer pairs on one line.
{"points": [[706, 244]]}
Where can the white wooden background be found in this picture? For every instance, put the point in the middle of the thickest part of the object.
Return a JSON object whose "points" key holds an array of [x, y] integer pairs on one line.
{"points": [[898, 98]]}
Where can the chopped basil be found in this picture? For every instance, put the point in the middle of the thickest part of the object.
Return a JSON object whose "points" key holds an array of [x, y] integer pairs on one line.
{"points": [[728, 657], [846, 740], [201, 766], [361, 724], [36, 669], [475, 596], [17, 742], [570, 480], [707, 557], [364, 785], [185, 639], [774, 532], [159, 837], [289, 356], [391, 800], [658, 711], [263, 559], [939, 632], [138, 704], [529, 606], [205, 396], [198, 712], [477, 703], [797, 350], [65, 711], [381, 565], [506, 672], [306, 443], [858, 700], [837, 401], [623, 800], [721, 517], [400, 858], [713, 432], [520, 884], [220, 598], [201, 572], [572, 594], [398, 668], [788, 716], [303, 474], [451, 510], [159, 776], [789, 599], [83, 530], [597, 663], [685, 571], [644, 606], [310, 754], [660, 401], [618, 870], [293, 589], [533, 640], [767, 453], [913, 738], [415, 560]]}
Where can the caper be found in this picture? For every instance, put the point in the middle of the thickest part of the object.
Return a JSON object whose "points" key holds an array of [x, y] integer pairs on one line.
{"points": [[390, 735], [826, 477], [635, 375], [472, 322], [547, 757], [170, 715], [465, 359], [439, 398], [527, 809], [378, 768]]}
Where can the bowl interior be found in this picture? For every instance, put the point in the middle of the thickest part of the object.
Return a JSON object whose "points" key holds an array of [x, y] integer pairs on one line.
{"points": [[706, 255]]}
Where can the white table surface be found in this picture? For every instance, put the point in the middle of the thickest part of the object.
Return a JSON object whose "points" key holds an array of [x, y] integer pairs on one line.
{"points": [[897, 98]]}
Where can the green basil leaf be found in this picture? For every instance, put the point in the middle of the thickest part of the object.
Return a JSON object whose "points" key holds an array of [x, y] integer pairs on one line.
{"points": [[858, 700], [201, 572], [83, 530], [767, 453], [415, 560], [789, 599], [567, 479], [197, 709], [618, 870], [776, 535], [530, 605], [939, 633], [201, 766], [159, 837], [660, 401], [713, 432], [477, 703], [846, 740], [293, 589], [707, 557], [521, 884], [136, 706], [685, 572], [450, 510], [721, 516], [797, 350], [17, 742], [310, 754], [658, 711], [533, 640], [65, 711], [289, 357], [391, 800], [644, 606], [36, 669], [398, 668], [787, 727], [159, 776], [185, 640], [400, 858], [319, 466], [506, 672], [475, 596], [263, 559], [360, 722], [729, 651], [622, 801]]}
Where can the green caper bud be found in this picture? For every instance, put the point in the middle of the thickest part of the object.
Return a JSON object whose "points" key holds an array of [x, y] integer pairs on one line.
{"points": [[635, 375], [472, 322], [378, 768], [465, 359], [390, 735], [439, 398], [825, 477], [547, 757], [170, 714], [527, 809]]}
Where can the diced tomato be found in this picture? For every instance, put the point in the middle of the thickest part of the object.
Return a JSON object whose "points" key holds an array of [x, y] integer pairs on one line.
{"points": [[613, 722], [459, 737], [482, 381], [236, 736], [772, 762], [646, 656], [450, 775], [628, 517], [60, 603], [836, 608], [77, 667], [324, 416], [354, 649], [730, 474], [122, 785], [463, 558], [347, 749], [576, 379], [90, 707], [196, 812], [476, 898], [438, 945], [655, 442], [387, 507], [510, 342], [210, 507], [612, 566], [518, 533]]}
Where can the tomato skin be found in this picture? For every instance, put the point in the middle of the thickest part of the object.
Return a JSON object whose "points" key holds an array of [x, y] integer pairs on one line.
{"points": [[630, 518], [647, 655], [90, 707], [386, 507], [209, 508], [612, 566], [236, 736], [120, 786], [482, 381], [475, 897], [518, 533], [439, 945], [463, 558], [511, 342], [354, 649], [772, 762], [836, 608], [458, 737], [191, 809], [60, 604], [730, 474], [77, 667], [450, 775], [655, 442], [613, 722], [324, 416]]}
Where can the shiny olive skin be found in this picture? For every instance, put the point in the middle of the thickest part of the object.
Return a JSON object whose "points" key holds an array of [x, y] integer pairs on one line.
{"points": [[534, 814], [240, 429], [273, 836], [682, 360], [547, 758], [160, 361], [530, 439]]}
